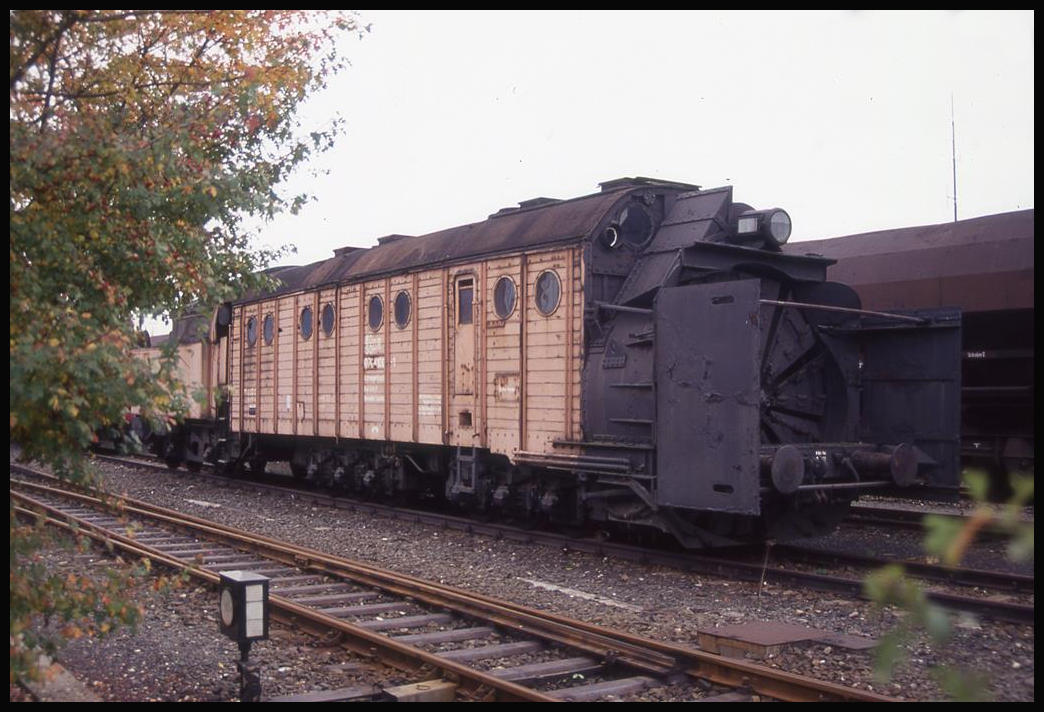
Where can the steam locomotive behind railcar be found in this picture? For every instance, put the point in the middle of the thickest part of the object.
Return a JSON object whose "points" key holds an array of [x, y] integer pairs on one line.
{"points": [[645, 356]]}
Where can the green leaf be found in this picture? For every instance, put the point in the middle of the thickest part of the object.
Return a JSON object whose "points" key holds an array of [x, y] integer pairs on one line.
{"points": [[1022, 488], [885, 585], [937, 622], [1020, 548], [888, 653], [978, 483], [963, 685], [940, 533]]}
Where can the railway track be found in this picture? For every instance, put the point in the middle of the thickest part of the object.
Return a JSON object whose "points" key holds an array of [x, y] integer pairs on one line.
{"points": [[959, 576], [748, 567], [912, 520], [398, 618]]}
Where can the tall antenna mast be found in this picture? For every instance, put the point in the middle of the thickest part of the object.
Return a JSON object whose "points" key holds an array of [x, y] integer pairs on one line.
{"points": [[953, 152]]}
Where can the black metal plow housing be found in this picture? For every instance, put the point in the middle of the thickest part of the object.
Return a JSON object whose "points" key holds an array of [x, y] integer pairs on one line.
{"points": [[753, 398]]}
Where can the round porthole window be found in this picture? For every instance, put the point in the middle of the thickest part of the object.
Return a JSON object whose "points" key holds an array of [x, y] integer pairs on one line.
{"points": [[376, 313], [251, 331], [268, 329], [504, 297], [402, 309], [548, 292], [306, 323], [328, 319]]}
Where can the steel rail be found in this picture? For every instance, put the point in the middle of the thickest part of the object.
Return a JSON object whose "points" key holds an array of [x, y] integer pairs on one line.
{"points": [[359, 640], [507, 615], [935, 572], [914, 520], [616, 645]]}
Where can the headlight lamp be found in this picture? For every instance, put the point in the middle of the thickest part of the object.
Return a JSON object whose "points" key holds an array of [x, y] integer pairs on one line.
{"points": [[772, 225]]}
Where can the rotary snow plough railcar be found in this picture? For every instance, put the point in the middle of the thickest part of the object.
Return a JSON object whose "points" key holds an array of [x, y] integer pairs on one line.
{"points": [[645, 356]]}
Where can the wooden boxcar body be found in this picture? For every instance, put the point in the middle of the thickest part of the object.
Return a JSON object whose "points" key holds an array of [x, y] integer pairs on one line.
{"points": [[445, 370]]}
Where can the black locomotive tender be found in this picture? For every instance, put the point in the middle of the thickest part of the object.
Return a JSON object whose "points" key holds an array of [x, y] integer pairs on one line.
{"points": [[727, 391]]}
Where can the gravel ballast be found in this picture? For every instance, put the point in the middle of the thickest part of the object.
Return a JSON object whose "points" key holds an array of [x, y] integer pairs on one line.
{"points": [[177, 653]]}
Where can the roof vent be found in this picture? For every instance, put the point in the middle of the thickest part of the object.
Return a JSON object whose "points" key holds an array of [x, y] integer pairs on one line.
{"points": [[391, 238], [345, 250], [526, 205], [640, 181], [537, 202], [505, 211]]}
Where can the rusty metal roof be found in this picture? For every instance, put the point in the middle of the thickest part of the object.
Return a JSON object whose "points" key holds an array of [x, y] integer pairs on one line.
{"points": [[535, 223], [979, 264]]}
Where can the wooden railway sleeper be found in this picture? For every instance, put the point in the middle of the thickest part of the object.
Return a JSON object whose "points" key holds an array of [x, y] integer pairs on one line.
{"points": [[520, 620], [695, 663]]}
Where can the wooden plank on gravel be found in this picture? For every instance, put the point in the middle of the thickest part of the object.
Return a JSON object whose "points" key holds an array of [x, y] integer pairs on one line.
{"points": [[536, 672], [240, 565], [503, 650], [367, 610], [205, 553], [344, 694], [407, 622], [330, 587], [336, 597], [617, 688], [56, 684], [280, 580], [728, 697], [446, 636], [428, 691]]}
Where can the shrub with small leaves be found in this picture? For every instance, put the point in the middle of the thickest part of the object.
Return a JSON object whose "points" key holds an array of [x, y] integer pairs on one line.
{"points": [[947, 540], [140, 140]]}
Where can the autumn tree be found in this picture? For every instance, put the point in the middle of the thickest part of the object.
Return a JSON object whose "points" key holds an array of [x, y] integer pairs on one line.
{"points": [[140, 142]]}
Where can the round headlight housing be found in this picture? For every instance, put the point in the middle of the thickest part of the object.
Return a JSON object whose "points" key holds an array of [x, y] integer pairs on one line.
{"points": [[779, 226], [772, 225]]}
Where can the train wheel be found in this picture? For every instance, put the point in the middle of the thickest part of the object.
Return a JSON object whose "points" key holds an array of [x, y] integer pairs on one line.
{"points": [[299, 470], [173, 454]]}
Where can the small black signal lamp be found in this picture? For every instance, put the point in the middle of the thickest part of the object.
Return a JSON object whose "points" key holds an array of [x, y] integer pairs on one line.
{"points": [[244, 618], [244, 606]]}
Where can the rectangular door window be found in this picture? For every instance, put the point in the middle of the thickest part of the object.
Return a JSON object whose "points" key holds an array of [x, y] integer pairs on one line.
{"points": [[465, 292], [464, 339]]}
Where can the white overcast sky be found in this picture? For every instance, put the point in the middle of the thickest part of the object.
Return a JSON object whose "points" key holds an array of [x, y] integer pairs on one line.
{"points": [[841, 118]]}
